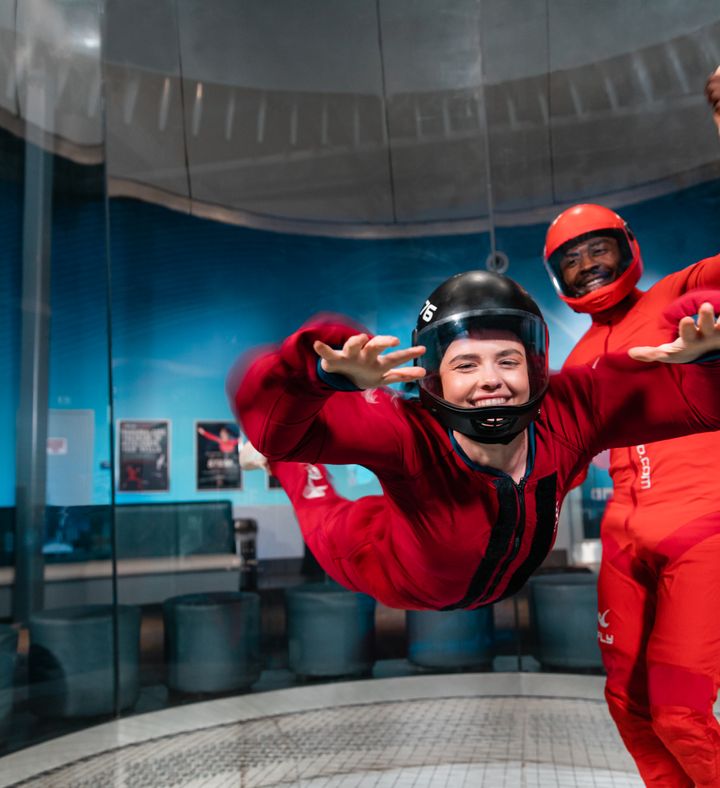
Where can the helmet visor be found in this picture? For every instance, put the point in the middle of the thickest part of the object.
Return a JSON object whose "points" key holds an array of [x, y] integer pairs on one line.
{"points": [[497, 334]]}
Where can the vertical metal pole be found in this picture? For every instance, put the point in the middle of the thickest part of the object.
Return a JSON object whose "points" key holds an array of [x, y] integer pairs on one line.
{"points": [[485, 131], [103, 27], [32, 414]]}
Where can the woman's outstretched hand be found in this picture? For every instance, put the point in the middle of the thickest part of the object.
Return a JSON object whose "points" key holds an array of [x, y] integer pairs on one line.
{"points": [[362, 360], [694, 340]]}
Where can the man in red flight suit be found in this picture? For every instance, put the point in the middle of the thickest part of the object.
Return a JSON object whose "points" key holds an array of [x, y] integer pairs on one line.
{"points": [[659, 584], [474, 472]]}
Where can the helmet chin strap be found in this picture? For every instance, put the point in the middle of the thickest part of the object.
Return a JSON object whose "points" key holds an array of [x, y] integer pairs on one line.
{"points": [[502, 439], [505, 439], [467, 421]]}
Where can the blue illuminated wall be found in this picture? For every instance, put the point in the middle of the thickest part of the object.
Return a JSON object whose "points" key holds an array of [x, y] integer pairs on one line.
{"points": [[10, 245], [190, 295], [78, 324], [79, 347]]}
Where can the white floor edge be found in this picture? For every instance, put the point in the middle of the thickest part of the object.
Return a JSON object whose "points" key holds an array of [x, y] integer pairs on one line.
{"points": [[142, 727]]}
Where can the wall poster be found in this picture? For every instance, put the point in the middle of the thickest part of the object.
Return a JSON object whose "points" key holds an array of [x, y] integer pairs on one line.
{"points": [[144, 448], [218, 455]]}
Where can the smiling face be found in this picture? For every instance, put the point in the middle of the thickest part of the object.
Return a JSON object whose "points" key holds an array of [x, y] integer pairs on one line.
{"points": [[590, 265], [489, 368]]}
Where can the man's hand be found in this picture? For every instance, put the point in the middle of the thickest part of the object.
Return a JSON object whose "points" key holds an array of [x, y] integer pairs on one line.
{"points": [[694, 340], [712, 91], [360, 361]]}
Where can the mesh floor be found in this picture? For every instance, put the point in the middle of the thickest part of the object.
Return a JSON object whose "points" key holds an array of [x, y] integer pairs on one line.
{"points": [[443, 743]]}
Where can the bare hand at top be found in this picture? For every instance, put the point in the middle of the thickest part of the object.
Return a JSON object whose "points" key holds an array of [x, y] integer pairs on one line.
{"points": [[363, 361]]}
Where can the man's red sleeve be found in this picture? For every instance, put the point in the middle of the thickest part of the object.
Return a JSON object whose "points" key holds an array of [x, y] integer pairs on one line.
{"points": [[622, 402], [705, 273]]}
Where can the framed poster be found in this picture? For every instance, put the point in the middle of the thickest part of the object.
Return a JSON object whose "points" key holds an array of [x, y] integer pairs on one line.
{"points": [[218, 455], [144, 449]]}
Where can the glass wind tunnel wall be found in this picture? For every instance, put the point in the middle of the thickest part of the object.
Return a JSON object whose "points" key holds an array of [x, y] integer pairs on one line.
{"points": [[57, 655], [262, 165]]}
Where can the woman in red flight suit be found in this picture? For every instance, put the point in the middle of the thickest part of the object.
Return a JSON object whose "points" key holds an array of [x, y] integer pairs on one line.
{"points": [[474, 472], [659, 628]]}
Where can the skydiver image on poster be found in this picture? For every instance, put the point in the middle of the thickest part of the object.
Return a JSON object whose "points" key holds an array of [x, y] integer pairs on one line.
{"points": [[217, 444]]}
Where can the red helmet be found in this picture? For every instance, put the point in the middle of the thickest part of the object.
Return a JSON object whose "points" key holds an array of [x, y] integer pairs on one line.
{"points": [[575, 225]]}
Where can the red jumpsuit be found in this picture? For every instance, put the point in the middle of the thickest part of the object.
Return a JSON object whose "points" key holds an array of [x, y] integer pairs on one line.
{"points": [[446, 533], [659, 583]]}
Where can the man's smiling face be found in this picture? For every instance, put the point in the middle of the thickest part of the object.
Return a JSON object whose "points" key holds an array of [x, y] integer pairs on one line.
{"points": [[589, 265]]}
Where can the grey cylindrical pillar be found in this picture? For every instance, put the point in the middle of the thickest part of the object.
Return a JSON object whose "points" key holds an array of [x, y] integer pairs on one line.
{"points": [[71, 660], [8, 657], [212, 641], [563, 614], [450, 639], [331, 631], [39, 100]]}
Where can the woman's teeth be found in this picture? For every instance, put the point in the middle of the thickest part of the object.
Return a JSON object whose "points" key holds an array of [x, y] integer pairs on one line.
{"points": [[486, 403]]}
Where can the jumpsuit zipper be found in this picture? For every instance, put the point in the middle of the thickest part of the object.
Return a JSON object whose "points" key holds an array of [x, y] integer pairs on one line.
{"points": [[474, 597], [518, 489]]}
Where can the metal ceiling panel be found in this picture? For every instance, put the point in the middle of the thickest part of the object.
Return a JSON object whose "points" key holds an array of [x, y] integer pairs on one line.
{"points": [[284, 112], [146, 154]]}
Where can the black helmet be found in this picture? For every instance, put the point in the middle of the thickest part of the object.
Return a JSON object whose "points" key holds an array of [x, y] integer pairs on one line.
{"points": [[469, 303]]}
